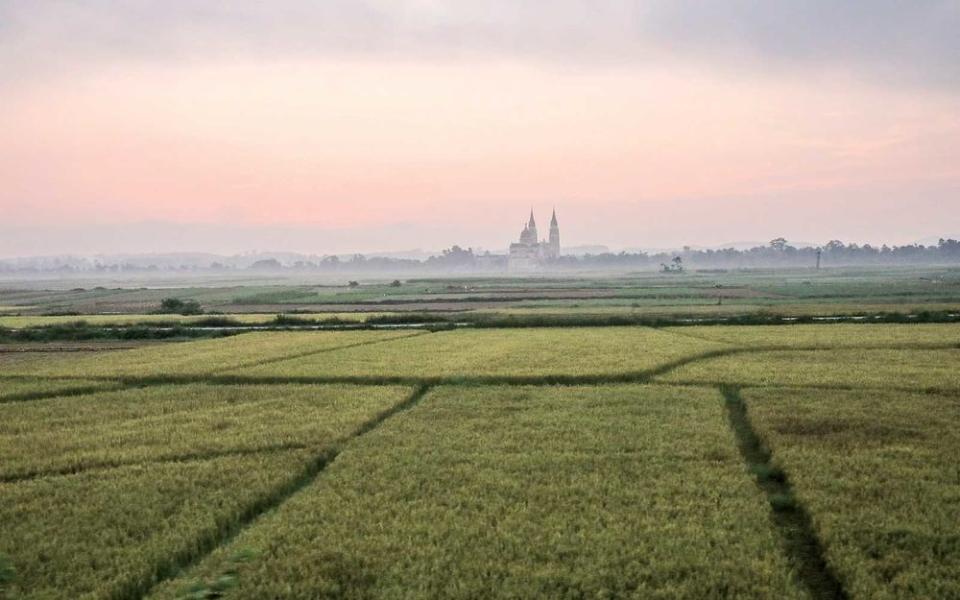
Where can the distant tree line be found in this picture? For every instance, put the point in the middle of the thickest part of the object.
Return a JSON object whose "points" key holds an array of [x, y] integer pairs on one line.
{"points": [[778, 253]]}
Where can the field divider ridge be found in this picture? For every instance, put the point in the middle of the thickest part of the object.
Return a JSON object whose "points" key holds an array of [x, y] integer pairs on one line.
{"points": [[827, 387], [195, 551], [676, 330], [269, 361], [66, 392], [640, 376], [119, 464], [803, 548]]}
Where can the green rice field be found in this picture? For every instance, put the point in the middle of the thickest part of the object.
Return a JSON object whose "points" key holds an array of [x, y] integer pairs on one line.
{"points": [[726, 461]]}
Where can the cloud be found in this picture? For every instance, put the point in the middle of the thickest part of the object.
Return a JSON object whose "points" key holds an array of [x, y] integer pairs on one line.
{"points": [[890, 41]]}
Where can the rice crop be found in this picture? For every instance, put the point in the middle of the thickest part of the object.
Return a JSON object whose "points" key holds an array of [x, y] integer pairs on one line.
{"points": [[468, 353], [64, 435], [832, 335], [199, 357], [520, 492], [878, 472], [921, 370], [105, 534]]}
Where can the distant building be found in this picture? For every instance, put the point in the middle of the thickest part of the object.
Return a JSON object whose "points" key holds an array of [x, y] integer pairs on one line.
{"points": [[531, 253]]}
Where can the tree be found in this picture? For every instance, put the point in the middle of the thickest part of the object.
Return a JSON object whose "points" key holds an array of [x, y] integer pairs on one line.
{"points": [[267, 263], [834, 245], [454, 256], [779, 244], [180, 307]]}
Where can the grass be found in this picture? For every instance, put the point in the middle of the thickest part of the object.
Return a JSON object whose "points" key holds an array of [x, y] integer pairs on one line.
{"points": [[199, 357], [67, 435], [878, 473], [468, 354], [920, 370], [524, 492]]}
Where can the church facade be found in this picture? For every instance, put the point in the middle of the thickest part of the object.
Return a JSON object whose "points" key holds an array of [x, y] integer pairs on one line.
{"points": [[531, 253]]}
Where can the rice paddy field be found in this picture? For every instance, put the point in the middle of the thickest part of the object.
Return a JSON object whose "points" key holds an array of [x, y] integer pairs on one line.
{"points": [[797, 292], [723, 461]]}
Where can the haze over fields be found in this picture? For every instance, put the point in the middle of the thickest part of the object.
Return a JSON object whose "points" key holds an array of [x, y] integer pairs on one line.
{"points": [[374, 126]]}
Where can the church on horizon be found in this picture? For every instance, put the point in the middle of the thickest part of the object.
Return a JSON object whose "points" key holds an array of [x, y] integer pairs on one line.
{"points": [[530, 253]]}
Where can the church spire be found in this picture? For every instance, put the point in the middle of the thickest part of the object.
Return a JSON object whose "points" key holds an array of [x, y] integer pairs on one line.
{"points": [[554, 244]]}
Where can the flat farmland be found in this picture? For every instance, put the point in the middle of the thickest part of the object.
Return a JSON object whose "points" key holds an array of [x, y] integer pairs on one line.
{"points": [[199, 357], [806, 461], [838, 335], [79, 527], [878, 471], [169, 423], [531, 353], [167, 319], [797, 292], [535, 492], [918, 370]]}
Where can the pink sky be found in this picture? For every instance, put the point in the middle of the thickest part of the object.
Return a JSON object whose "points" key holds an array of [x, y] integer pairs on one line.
{"points": [[638, 154]]}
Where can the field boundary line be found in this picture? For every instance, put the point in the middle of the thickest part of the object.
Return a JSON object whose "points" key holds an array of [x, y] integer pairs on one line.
{"points": [[803, 548], [932, 391], [268, 361], [686, 360], [640, 376], [120, 464], [674, 330], [196, 550], [67, 393]]}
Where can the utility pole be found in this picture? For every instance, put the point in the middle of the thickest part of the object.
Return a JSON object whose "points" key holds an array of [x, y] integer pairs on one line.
{"points": [[819, 252]]}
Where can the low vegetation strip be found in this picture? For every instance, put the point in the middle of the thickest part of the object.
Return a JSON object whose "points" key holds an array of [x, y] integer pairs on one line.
{"points": [[70, 435], [19, 322], [19, 390], [614, 491], [534, 354], [197, 357], [878, 473], [117, 463], [904, 369], [803, 548], [366, 341]]}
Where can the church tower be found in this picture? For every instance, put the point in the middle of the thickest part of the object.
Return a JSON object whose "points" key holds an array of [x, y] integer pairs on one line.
{"points": [[532, 228], [554, 243]]}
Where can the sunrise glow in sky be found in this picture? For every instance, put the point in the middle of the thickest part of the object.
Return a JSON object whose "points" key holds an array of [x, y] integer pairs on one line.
{"points": [[388, 125]]}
